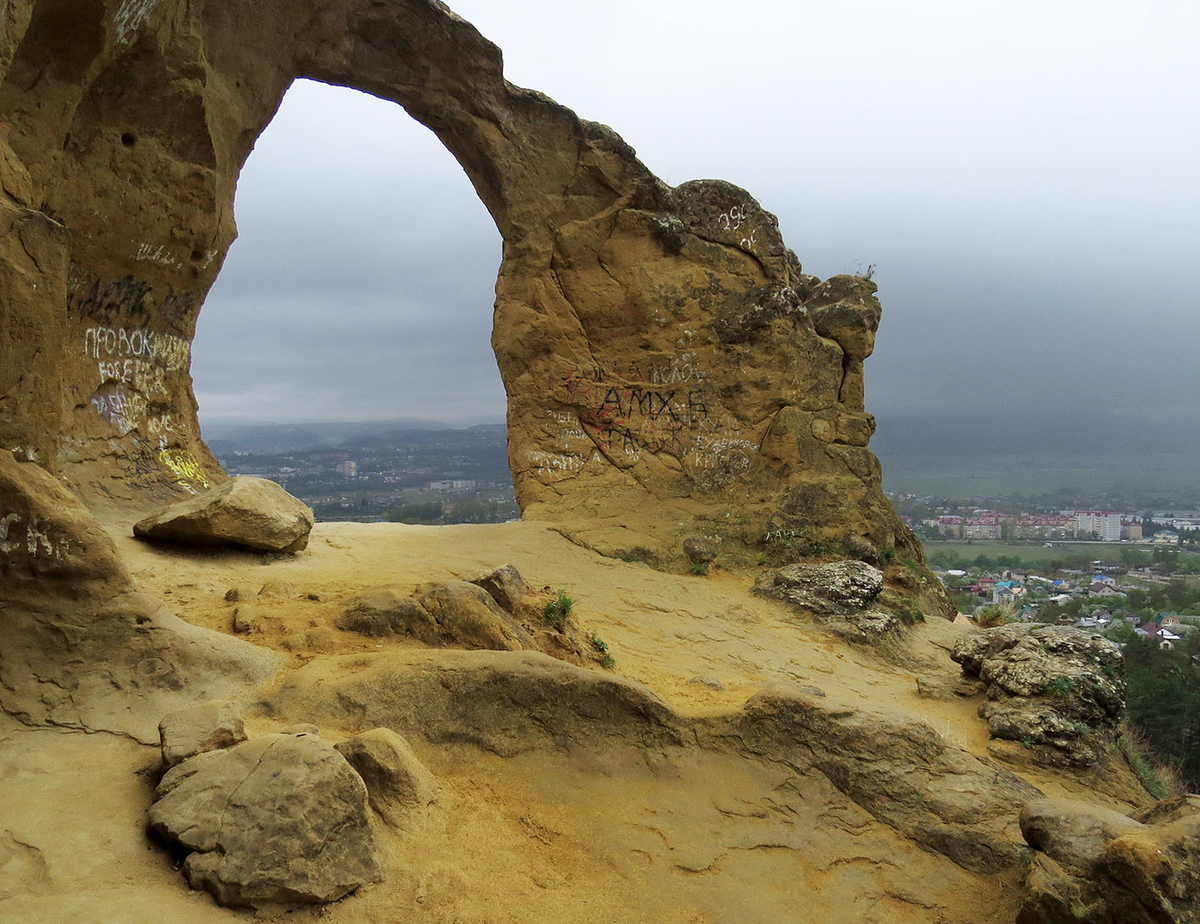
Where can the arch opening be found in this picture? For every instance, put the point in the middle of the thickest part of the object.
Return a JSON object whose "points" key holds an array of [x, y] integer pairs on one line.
{"points": [[343, 350]]}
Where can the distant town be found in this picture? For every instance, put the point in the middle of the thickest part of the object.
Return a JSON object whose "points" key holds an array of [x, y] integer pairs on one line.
{"points": [[1034, 519], [414, 475]]}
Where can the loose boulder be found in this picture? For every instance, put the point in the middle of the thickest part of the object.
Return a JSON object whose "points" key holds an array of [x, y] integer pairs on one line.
{"points": [[1060, 692], [833, 588], [281, 819], [468, 617], [207, 727], [243, 511], [397, 782], [840, 594]]}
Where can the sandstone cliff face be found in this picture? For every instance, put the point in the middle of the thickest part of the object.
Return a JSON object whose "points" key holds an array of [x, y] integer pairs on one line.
{"points": [[661, 347]]}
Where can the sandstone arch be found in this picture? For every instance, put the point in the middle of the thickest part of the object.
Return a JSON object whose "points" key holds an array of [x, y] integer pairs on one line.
{"points": [[670, 370]]}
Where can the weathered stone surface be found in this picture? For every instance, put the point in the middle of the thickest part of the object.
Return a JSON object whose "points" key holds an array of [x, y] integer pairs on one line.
{"points": [[839, 594], [505, 585], [835, 588], [397, 782], [1100, 869], [1073, 833], [243, 511], [699, 551], [81, 647], [900, 771], [1060, 692], [210, 726], [468, 617], [386, 610], [279, 819], [671, 371]]}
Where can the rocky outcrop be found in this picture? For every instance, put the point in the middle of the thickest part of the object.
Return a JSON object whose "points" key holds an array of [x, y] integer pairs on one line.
{"points": [[385, 611], [280, 819], [504, 585], [671, 370], [249, 512], [1058, 692], [1094, 866]]}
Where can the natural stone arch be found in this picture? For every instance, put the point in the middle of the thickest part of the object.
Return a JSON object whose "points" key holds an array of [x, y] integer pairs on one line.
{"points": [[670, 370]]}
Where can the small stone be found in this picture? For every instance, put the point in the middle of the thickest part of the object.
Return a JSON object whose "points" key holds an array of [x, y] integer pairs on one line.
{"points": [[708, 680], [699, 551], [206, 727], [278, 589], [245, 620], [233, 595]]}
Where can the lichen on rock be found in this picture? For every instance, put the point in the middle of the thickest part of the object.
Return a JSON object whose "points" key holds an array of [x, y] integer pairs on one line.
{"points": [[1060, 692]]}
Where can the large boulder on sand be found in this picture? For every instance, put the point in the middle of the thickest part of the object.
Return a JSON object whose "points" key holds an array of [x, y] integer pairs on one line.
{"points": [[279, 819], [245, 511]]}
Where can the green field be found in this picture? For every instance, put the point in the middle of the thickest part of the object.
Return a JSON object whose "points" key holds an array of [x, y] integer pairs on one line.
{"points": [[1033, 552]]}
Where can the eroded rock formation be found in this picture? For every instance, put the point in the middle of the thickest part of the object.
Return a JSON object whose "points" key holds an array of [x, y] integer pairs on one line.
{"points": [[1059, 692], [672, 372]]}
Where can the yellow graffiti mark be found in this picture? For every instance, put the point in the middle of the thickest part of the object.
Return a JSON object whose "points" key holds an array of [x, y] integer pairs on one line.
{"points": [[184, 467]]}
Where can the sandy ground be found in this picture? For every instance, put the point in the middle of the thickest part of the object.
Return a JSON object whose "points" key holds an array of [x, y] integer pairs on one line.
{"points": [[610, 833]]}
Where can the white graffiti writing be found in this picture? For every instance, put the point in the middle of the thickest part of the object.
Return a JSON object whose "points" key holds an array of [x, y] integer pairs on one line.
{"points": [[152, 253], [552, 464], [129, 17], [7, 521], [37, 541], [683, 369], [166, 350], [732, 220]]}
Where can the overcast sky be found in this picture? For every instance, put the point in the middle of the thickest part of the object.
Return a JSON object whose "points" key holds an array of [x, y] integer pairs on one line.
{"points": [[1024, 175]]}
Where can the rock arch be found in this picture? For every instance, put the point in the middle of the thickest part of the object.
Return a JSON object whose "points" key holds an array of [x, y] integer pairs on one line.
{"points": [[671, 371]]}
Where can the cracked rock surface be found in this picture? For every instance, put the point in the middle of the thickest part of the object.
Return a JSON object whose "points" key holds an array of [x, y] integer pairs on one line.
{"points": [[278, 819], [1058, 691]]}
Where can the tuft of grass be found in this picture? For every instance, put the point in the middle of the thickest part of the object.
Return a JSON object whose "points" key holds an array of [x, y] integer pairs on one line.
{"points": [[1061, 687], [1158, 779], [608, 662], [699, 567], [558, 610], [598, 643]]}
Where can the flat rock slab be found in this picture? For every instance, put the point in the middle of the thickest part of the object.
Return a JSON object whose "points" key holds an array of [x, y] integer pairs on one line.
{"points": [[244, 511], [280, 819]]}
